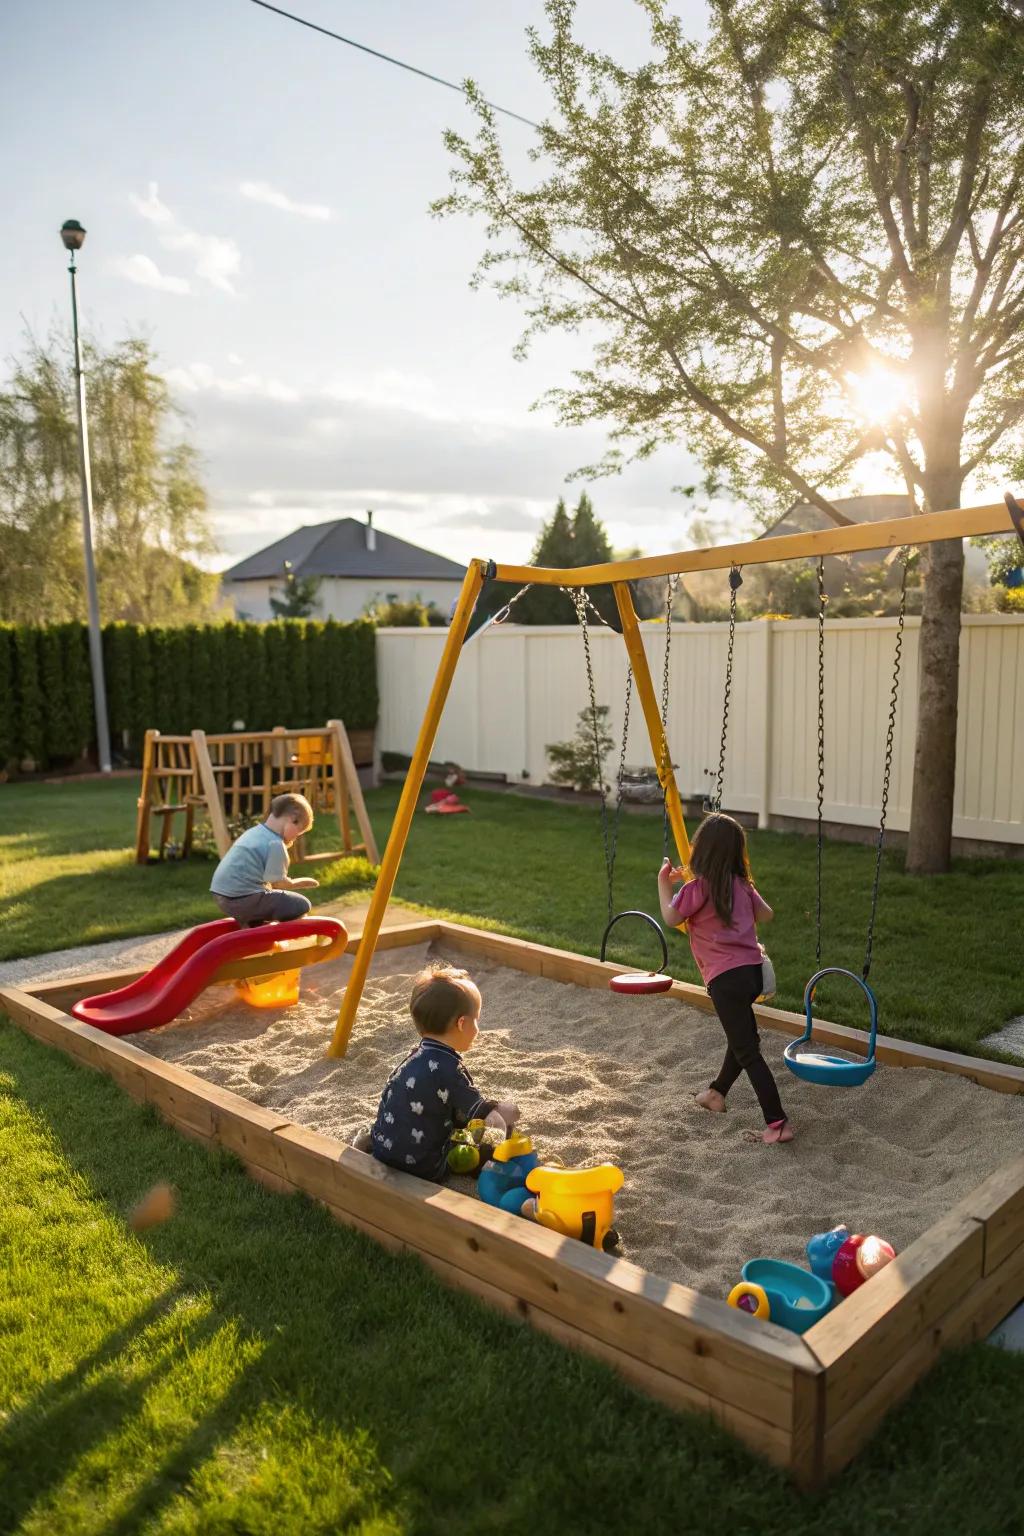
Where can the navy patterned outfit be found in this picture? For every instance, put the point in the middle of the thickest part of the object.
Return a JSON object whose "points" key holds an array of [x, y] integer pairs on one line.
{"points": [[425, 1097]]}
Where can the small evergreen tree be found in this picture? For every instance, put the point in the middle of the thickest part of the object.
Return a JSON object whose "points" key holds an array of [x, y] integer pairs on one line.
{"points": [[579, 762], [300, 595]]}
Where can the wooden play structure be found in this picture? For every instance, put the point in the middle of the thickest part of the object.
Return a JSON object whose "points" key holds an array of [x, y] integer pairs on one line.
{"points": [[807, 1402], [232, 778]]}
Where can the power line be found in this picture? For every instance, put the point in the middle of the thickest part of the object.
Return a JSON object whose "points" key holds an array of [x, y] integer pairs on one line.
{"points": [[399, 63]]}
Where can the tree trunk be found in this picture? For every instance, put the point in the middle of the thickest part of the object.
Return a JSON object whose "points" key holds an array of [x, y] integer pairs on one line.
{"points": [[931, 815]]}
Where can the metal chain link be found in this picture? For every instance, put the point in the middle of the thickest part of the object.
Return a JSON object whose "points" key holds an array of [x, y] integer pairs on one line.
{"points": [[887, 771], [670, 594], [735, 582], [822, 601], [580, 602]]}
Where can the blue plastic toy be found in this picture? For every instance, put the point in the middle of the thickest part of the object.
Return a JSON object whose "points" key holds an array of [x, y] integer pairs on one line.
{"points": [[502, 1180], [796, 1298], [823, 1066], [822, 1249]]}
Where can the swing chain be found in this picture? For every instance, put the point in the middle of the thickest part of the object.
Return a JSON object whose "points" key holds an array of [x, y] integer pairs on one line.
{"points": [[735, 582], [580, 602], [502, 614], [671, 584], [887, 771], [822, 601]]}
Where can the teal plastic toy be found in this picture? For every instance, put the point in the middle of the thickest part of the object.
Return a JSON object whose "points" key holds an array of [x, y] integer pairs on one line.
{"points": [[796, 1298], [502, 1180]]}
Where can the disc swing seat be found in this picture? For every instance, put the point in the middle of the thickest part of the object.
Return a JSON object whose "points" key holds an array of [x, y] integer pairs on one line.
{"points": [[627, 983], [638, 983], [832, 1069]]}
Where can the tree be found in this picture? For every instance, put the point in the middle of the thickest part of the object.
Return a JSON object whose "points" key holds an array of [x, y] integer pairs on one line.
{"points": [[579, 762], [798, 247], [151, 517], [300, 595], [563, 542]]}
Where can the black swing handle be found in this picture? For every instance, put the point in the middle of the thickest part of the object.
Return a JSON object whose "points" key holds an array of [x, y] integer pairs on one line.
{"points": [[647, 918]]}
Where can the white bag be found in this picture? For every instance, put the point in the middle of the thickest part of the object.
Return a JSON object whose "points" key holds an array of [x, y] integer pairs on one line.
{"points": [[767, 976]]}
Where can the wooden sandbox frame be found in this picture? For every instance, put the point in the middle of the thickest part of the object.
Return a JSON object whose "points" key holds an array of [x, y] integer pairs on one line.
{"points": [[806, 1403]]}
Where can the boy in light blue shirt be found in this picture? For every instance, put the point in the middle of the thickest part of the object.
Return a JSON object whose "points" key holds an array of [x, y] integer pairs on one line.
{"points": [[251, 882]]}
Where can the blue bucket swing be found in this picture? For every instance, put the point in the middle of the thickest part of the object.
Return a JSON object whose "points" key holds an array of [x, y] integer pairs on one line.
{"points": [[825, 1067], [829, 1068]]}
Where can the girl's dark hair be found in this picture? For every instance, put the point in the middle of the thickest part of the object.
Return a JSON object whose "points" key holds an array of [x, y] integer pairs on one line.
{"points": [[719, 853]]}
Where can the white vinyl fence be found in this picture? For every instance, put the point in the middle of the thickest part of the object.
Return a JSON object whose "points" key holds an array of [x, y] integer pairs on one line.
{"points": [[518, 688]]}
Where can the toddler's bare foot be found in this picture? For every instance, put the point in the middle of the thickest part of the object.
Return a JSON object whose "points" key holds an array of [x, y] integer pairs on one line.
{"points": [[712, 1100], [779, 1130]]}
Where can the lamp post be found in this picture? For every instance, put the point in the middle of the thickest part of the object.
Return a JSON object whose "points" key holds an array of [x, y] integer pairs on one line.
{"points": [[73, 235]]}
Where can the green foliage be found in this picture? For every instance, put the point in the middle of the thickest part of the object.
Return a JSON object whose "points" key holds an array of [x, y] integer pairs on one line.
{"points": [[1003, 554], [174, 680], [301, 594], [30, 741], [409, 613], [151, 519], [563, 541], [8, 728], [579, 762]]}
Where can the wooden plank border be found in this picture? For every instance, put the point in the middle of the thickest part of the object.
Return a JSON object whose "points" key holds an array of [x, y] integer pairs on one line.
{"points": [[808, 1403]]}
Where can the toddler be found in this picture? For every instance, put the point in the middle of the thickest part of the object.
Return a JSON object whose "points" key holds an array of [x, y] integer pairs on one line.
{"points": [[251, 881], [720, 907], [431, 1092]]}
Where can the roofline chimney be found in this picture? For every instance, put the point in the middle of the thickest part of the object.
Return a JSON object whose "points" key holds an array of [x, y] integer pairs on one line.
{"points": [[371, 532]]}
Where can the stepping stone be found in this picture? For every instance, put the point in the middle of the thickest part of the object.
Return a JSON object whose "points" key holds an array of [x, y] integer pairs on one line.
{"points": [[1010, 1333], [1010, 1038]]}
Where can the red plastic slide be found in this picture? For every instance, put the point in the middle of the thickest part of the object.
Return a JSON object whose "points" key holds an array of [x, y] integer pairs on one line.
{"points": [[160, 995]]}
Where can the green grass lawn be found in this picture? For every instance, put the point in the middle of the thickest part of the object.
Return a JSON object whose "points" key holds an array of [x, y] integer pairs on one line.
{"points": [[947, 956], [252, 1368]]}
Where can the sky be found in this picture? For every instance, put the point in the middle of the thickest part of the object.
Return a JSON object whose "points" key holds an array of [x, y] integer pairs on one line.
{"points": [[256, 197]]}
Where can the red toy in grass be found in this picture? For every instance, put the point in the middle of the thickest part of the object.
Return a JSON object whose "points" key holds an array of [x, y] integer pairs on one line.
{"points": [[160, 995], [858, 1259]]}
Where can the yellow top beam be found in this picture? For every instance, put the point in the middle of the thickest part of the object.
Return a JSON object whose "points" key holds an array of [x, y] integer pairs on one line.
{"points": [[925, 528]]}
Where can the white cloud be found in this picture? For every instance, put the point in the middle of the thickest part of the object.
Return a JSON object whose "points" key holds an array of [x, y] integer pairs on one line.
{"points": [[199, 378], [263, 192], [144, 271], [217, 258]]}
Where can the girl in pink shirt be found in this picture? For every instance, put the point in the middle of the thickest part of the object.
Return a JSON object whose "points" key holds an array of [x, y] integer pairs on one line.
{"points": [[721, 907]]}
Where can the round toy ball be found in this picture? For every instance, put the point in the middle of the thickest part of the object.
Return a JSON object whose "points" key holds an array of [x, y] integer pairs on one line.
{"points": [[858, 1259], [155, 1207], [463, 1157]]}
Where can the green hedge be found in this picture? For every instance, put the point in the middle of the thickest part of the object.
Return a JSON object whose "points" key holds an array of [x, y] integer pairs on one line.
{"points": [[291, 673]]}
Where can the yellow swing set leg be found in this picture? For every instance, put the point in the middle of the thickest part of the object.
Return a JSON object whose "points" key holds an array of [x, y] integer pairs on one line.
{"points": [[406, 808], [649, 702]]}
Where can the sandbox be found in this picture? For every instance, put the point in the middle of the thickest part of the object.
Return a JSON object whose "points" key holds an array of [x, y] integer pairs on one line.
{"points": [[930, 1158]]}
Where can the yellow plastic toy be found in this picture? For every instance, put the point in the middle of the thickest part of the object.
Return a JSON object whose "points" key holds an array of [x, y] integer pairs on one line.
{"points": [[577, 1202], [278, 990], [751, 1298]]}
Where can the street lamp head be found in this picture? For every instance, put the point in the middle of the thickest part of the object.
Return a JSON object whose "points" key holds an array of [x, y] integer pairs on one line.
{"points": [[72, 234]]}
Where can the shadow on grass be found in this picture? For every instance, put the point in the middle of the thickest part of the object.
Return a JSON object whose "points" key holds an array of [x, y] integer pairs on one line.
{"points": [[434, 1411]]}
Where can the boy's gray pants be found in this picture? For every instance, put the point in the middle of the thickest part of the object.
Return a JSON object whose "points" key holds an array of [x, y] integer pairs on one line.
{"points": [[263, 907]]}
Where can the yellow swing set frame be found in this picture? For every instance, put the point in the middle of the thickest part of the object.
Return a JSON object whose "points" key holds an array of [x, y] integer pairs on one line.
{"points": [[892, 533]]}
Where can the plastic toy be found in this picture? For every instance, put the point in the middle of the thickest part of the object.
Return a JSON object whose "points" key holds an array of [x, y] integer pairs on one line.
{"points": [[795, 1298], [578, 1202], [280, 990], [220, 951], [502, 1181], [465, 1154], [776, 1291], [858, 1259], [826, 1067], [822, 1249]]}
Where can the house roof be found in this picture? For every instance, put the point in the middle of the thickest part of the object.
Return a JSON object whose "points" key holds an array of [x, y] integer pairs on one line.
{"points": [[804, 517], [340, 549]]}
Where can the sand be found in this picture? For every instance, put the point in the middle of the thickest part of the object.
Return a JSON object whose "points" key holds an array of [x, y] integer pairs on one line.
{"points": [[600, 1077]]}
